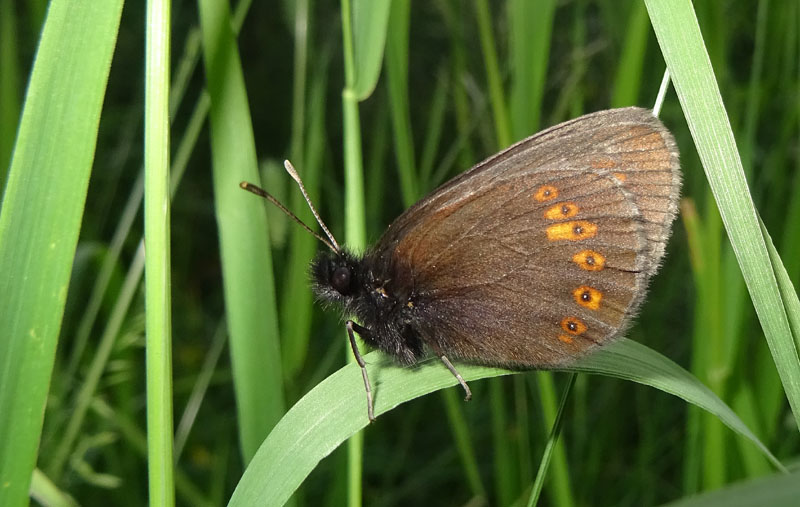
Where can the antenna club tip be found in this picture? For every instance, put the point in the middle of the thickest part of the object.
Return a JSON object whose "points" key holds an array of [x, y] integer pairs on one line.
{"points": [[243, 185], [292, 171]]}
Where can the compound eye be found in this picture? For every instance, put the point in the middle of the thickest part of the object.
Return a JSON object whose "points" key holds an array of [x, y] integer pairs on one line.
{"points": [[341, 280]]}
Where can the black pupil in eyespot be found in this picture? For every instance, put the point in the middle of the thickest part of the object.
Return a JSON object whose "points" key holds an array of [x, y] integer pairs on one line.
{"points": [[341, 279]]}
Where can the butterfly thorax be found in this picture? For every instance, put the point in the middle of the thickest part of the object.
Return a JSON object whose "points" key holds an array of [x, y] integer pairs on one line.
{"points": [[374, 291]]}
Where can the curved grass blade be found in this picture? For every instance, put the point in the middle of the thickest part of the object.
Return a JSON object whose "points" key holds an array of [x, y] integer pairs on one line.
{"points": [[335, 409]]}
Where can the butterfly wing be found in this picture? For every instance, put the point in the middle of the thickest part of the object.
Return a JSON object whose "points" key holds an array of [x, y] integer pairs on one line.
{"points": [[544, 250]]}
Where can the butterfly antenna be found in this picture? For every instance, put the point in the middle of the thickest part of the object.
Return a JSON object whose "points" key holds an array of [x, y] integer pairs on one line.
{"points": [[296, 177], [263, 193]]}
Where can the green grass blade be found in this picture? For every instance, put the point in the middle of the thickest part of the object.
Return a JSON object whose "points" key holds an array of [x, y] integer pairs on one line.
{"points": [[41, 217], [497, 97], [179, 82], [550, 445], [104, 347], [297, 312], [249, 288], [397, 84], [453, 14], [558, 482], [745, 404], [302, 36], [334, 410], [503, 463], [45, 492], [199, 390], [693, 455], [158, 272], [357, 67], [434, 128], [370, 19], [788, 291], [628, 78], [463, 441], [682, 45], [531, 26]]}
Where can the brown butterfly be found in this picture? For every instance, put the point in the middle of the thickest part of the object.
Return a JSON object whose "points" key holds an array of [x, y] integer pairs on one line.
{"points": [[530, 259]]}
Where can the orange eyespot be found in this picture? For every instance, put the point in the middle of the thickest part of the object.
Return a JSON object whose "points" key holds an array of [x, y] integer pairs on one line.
{"points": [[589, 260], [588, 297], [563, 210], [572, 231], [545, 193], [564, 338], [573, 326]]}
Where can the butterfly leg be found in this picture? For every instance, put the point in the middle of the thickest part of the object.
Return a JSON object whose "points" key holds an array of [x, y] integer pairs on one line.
{"points": [[353, 328], [457, 376]]}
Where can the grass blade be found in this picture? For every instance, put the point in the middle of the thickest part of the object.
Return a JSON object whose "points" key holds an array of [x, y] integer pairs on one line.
{"points": [[495, 82], [628, 78], [158, 287], [249, 288], [682, 45], [551, 442], [788, 292], [41, 218], [397, 84], [530, 50], [370, 19], [334, 410]]}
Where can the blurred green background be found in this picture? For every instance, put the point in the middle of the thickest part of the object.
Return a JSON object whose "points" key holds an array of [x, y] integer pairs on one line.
{"points": [[459, 81]]}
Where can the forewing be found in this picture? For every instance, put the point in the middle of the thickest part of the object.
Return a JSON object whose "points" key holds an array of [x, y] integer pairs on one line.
{"points": [[628, 143]]}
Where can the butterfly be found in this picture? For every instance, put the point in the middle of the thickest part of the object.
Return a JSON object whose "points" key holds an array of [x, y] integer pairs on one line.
{"points": [[530, 259]]}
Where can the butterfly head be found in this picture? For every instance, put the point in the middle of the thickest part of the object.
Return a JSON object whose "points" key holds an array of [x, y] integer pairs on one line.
{"points": [[336, 277], [357, 285]]}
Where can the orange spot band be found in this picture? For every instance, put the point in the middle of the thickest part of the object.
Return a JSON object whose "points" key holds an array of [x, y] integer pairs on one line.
{"points": [[545, 193], [572, 231], [563, 210], [588, 297], [589, 260], [573, 326]]}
